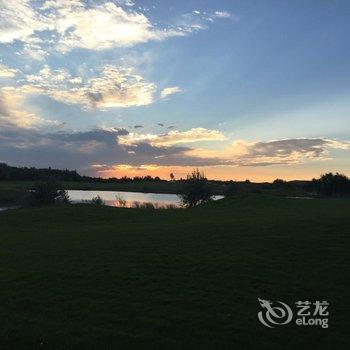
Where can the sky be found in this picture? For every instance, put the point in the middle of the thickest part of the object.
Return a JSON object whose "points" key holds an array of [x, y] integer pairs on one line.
{"points": [[242, 89]]}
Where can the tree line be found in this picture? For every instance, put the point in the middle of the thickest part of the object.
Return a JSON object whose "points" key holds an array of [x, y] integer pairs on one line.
{"points": [[196, 188], [12, 173]]}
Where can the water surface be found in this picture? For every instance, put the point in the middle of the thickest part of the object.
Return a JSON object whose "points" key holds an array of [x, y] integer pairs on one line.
{"points": [[111, 198], [7, 208]]}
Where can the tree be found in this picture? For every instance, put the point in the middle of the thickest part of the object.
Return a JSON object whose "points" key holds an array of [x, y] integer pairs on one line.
{"points": [[196, 189], [279, 182], [98, 201], [172, 177], [331, 185], [47, 193]]}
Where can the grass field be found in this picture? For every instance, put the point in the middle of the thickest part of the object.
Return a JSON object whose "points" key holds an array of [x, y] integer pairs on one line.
{"points": [[84, 277]]}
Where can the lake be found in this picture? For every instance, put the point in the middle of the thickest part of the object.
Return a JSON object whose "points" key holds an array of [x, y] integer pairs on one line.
{"points": [[7, 208], [112, 198]]}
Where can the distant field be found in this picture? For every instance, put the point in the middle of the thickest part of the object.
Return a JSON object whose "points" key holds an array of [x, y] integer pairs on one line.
{"points": [[76, 185], [83, 277]]}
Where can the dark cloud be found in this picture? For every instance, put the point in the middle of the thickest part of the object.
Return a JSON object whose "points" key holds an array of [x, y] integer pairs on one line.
{"points": [[289, 151], [81, 150], [100, 135], [95, 96], [284, 148]]}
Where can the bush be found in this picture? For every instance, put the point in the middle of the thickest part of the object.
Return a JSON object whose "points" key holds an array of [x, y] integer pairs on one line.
{"points": [[331, 185], [97, 201], [196, 189], [148, 205], [279, 182], [48, 193], [232, 189], [145, 205], [121, 201], [169, 206]]}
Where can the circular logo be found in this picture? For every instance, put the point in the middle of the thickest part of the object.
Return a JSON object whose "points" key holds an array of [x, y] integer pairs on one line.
{"points": [[274, 313]]}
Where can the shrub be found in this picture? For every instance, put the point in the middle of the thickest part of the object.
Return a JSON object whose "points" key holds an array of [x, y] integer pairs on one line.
{"points": [[279, 182], [148, 205], [169, 206], [136, 205], [196, 189], [145, 205], [121, 201], [48, 193], [331, 185], [97, 201]]}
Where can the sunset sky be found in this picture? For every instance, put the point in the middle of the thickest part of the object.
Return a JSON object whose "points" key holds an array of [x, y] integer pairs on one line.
{"points": [[241, 89]]}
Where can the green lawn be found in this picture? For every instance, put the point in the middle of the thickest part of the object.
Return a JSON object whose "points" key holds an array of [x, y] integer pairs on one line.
{"points": [[83, 277]]}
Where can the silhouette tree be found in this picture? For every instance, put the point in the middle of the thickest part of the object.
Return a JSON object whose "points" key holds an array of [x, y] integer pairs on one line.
{"points": [[279, 182], [47, 193], [331, 185], [98, 201], [196, 189]]}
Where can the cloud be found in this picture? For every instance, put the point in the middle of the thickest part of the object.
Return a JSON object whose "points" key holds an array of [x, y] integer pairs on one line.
{"points": [[35, 50], [119, 87], [222, 14], [165, 93], [132, 168], [40, 28], [113, 87], [173, 137], [6, 72], [70, 25], [198, 20], [19, 20], [288, 151], [112, 26], [126, 2], [102, 151], [15, 111], [88, 151]]}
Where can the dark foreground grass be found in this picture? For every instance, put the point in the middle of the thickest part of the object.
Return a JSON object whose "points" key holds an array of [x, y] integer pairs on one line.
{"points": [[83, 277]]}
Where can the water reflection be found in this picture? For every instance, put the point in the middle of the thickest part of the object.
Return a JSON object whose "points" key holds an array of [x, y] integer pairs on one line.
{"points": [[128, 199], [7, 208]]}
